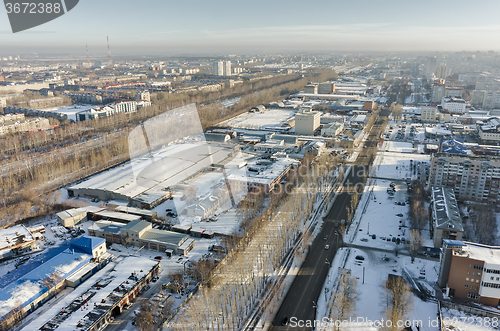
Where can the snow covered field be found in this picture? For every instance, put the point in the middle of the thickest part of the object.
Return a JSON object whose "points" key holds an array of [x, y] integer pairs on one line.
{"points": [[397, 165], [260, 120]]}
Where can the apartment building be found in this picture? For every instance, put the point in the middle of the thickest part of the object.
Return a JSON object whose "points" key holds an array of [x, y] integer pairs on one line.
{"points": [[470, 271], [437, 92], [18, 123], [471, 177]]}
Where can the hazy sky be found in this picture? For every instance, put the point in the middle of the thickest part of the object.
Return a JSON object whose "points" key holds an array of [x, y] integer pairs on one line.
{"points": [[256, 26]]}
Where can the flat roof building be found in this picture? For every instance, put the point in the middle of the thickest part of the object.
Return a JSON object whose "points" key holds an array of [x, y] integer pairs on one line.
{"points": [[306, 123], [105, 296], [33, 284], [470, 271], [141, 233], [145, 181]]}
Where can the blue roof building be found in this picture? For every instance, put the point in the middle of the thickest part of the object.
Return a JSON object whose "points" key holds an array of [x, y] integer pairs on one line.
{"points": [[36, 282]]}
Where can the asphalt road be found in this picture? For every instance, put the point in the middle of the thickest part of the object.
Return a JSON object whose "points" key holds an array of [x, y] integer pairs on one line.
{"points": [[307, 285]]}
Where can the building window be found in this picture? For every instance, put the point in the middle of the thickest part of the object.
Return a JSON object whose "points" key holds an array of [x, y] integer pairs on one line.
{"points": [[467, 279], [477, 280], [466, 286], [475, 288], [470, 265], [473, 273], [468, 272]]}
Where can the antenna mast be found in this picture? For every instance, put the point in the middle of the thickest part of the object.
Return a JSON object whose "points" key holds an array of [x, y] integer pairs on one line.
{"points": [[109, 52], [88, 57]]}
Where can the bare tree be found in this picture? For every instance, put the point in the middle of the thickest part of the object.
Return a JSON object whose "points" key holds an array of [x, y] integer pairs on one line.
{"points": [[144, 320], [398, 300], [416, 242], [344, 299]]}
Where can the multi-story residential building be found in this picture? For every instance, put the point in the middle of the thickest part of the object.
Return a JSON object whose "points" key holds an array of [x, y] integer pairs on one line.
{"points": [[227, 68], [478, 98], [437, 93], [221, 68], [125, 106], [443, 72], [470, 271], [447, 223], [471, 177], [486, 99], [428, 114], [489, 132], [18, 123], [218, 68], [453, 105], [454, 92]]}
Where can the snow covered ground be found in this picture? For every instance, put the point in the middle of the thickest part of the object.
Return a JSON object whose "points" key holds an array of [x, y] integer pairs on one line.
{"points": [[260, 120], [397, 165], [460, 321]]}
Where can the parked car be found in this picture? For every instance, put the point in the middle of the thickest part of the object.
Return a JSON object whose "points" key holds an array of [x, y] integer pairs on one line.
{"points": [[158, 258]]}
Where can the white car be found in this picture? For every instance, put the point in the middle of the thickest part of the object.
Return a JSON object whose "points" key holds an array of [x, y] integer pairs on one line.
{"points": [[327, 247]]}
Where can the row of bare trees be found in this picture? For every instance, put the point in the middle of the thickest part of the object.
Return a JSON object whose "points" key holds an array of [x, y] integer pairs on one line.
{"points": [[233, 290], [43, 170]]}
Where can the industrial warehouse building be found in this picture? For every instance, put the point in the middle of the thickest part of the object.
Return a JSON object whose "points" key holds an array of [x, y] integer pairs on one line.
{"points": [[146, 181], [33, 284], [71, 217], [103, 298], [141, 233], [262, 176]]}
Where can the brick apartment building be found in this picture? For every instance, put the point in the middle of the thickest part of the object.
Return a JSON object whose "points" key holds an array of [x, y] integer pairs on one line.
{"points": [[470, 271]]}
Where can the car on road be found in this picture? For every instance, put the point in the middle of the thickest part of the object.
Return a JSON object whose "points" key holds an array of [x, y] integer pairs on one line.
{"points": [[285, 321], [327, 247], [359, 257], [326, 237], [399, 215], [364, 239]]}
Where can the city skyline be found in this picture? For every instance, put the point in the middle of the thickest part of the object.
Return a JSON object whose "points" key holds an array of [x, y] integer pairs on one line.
{"points": [[224, 27]]}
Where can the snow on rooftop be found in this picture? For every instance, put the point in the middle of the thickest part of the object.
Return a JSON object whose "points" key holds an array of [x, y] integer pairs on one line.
{"points": [[144, 178], [30, 286], [260, 120], [114, 275], [13, 236], [488, 254]]}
